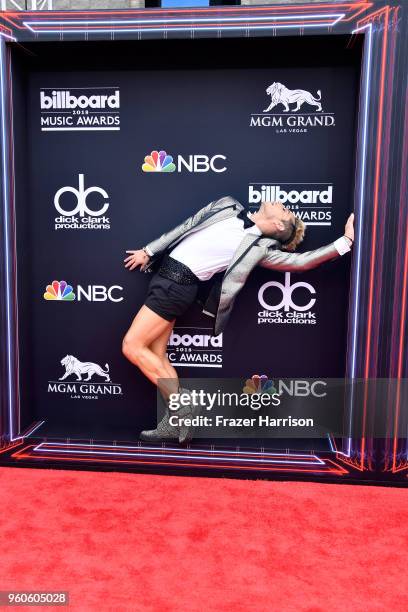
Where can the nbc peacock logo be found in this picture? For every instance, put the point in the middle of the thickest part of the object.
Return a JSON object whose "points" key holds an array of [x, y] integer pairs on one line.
{"points": [[158, 161], [59, 290], [259, 384]]}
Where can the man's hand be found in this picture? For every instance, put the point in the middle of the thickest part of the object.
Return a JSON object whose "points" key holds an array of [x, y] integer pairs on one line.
{"points": [[349, 227], [137, 258]]}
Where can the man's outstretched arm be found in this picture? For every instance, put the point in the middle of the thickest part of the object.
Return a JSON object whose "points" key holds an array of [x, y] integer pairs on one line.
{"points": [[159, 244], [300, 262], [155, 247]]}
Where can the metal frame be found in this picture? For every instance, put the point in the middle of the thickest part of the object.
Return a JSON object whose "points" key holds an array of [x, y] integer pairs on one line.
{"points": [[33, 5], [380, 181]]}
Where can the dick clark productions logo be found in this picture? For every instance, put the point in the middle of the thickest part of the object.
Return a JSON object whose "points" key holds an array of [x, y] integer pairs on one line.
{"points": [[88, 210], [286, 310]]}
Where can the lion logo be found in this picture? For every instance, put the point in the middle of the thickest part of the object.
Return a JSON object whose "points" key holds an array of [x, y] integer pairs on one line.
{"points": [[282, 95], [74, 366]]}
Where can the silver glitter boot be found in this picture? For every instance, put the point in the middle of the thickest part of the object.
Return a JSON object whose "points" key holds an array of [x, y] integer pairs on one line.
{"points": [[190, 411], [165, 431]]}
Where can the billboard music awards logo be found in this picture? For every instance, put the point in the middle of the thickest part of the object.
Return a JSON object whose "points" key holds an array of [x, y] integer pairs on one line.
{"points": [[88, 211], [292, 111], [194, 350], [60, 291], [87, 380], [285, 303], [311, 202], [89, 109], [160, 161]]}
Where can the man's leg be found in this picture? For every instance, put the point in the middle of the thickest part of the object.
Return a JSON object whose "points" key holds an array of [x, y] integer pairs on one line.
{"points": [[159, 348], [144, 345]]}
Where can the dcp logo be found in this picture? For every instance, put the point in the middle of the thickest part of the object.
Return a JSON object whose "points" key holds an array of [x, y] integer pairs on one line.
{"points": [[287, 295], [81, 195]]}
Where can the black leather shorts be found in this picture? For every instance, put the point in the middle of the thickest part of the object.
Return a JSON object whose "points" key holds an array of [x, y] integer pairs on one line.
{"points": [[169, 299]]}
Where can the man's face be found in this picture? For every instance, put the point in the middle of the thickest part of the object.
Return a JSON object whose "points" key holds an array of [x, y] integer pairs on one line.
{"points": [[273, 214]]}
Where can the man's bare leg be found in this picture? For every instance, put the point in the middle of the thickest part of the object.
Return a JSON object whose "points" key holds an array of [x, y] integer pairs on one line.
{"points": [[148, 329], [159, 348]]}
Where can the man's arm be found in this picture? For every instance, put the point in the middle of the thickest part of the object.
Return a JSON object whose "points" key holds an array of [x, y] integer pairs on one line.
{"points": [[299, 262], [143, 256], [159, 244]]}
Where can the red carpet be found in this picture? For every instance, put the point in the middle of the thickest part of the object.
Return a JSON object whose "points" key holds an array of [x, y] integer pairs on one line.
{"points": [[136, 542]]}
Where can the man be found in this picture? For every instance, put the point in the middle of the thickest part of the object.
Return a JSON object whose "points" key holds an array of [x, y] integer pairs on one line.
{"points": [[221, 237]]}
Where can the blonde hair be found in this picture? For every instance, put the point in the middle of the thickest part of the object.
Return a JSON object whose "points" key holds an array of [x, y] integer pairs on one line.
{"points": [[300, 229]]}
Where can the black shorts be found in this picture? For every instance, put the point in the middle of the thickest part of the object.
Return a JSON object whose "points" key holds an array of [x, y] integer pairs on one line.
{"points": [[169, 299]]}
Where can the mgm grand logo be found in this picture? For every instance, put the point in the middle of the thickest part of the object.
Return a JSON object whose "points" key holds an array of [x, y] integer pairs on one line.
{"points": [[292, 111], [86, 380]]}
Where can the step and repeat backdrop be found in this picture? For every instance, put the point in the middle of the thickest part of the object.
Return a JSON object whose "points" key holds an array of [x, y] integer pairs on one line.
{"points": [[95, 188]]}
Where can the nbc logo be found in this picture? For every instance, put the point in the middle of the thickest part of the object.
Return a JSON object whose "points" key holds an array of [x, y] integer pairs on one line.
{"points": [[259, 384], [286, 386], [61, 291], [160, 161]]}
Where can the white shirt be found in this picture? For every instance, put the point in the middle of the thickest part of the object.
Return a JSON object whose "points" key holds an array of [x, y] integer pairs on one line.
{"points": [[209, 250]]}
